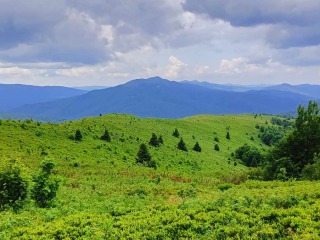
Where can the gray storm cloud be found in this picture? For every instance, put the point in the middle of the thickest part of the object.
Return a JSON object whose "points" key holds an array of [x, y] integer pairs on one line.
{"points": [[292, 22]]}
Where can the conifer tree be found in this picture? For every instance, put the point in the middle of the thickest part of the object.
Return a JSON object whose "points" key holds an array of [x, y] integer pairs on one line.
{"points": [[228, 136], [143, 154], [106, 136], [160, 140], [216, 147], [154, 140], [176, 133], [197, 147], [78, 135], [182, 145]]}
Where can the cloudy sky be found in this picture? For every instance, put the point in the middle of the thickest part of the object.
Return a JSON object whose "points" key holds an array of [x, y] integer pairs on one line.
{"points": [[108, 42]]}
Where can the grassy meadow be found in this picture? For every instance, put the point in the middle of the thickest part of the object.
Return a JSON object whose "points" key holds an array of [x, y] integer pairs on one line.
{"points": [[104, 194]]}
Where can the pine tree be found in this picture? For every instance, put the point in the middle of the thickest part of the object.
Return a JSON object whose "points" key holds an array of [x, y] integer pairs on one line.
{"points": [[106, 136], [228, 136], [176, 133], [216, 147], [182, 145], [143, 156], [78, 135], [197, 147], [154, 140], [160, 140]]}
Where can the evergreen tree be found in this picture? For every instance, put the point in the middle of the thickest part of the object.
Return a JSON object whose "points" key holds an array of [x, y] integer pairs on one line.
{"points": [[216, 139], [143, 156], [228, 136], [176, 133], [78, 135], [106, 136], [182, 145], [160, 140], [197, 147], [154, 140], [216, 147]]}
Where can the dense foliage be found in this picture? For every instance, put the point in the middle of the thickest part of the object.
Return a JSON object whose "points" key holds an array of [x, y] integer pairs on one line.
{"points": [[106, 136], [250, 156], [271, 135], [13, 185], [299, 148], [45, 186]]}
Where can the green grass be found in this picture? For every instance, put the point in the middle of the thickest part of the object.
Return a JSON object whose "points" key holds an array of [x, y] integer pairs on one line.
{"points": [[105, 194]]}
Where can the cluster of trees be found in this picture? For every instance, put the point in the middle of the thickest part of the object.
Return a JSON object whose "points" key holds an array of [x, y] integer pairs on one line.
{"points": [[271, 135], [282, 122], [298, 152], [250, 156], [294, 156], [78, 136], [155, 141], [15, 185], [182, 146]]}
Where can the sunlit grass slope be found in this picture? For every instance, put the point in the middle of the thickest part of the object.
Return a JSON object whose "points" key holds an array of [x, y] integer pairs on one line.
{"points": [[105, 194], [32, 141]]}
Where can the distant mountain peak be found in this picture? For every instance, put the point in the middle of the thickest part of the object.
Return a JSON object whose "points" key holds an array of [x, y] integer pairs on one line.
{"points": [[151, 80]]}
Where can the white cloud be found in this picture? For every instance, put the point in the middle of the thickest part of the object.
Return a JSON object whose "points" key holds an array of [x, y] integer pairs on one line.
{"points": [[80, 42]]}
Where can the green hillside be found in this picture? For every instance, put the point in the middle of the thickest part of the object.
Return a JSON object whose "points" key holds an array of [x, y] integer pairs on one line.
{"points": [[104, 194]]}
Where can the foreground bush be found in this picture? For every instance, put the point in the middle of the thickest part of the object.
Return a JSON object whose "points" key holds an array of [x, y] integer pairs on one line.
{"points": [[46, 187], [13, 185]]}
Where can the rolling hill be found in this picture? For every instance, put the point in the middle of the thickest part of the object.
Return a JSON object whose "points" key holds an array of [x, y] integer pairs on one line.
{"points": [[105, 194], [156, 97], [16, 95]]}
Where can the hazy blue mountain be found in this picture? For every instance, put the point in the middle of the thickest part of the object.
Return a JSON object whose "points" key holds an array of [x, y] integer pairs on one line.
{"points": [[90, 88], [304, 89], [226, 87], [156, 97], [16, 95]]}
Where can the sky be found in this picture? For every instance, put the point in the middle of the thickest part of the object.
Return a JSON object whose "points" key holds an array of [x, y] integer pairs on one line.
{"points": [[109, 42]]}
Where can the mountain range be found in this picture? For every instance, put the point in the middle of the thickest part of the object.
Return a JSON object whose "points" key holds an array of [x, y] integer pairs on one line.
{"points": [[160, 98], [16, 95]]}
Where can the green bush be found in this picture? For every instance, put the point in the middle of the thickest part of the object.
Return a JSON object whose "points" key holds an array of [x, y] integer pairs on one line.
{"points": [[250, 156], [312, 172], [13, 185], [45, 186], [106, 136], [225, 186]]}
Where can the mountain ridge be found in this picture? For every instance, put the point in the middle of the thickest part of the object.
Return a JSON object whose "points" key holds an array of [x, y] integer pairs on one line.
{"points": [[15, 95], [160, 98]]}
